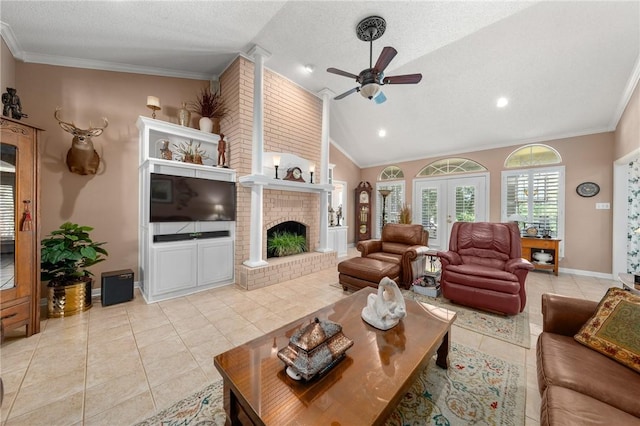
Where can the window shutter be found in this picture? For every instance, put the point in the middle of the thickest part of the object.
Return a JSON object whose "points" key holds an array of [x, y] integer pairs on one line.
{"points": [[429, 212]]}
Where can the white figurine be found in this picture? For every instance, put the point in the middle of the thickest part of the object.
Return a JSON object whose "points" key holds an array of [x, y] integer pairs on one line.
{"points": [[387, 308]]}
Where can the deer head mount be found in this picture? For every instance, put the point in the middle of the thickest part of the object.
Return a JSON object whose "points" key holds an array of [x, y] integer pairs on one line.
{"points": [[82, 158]]}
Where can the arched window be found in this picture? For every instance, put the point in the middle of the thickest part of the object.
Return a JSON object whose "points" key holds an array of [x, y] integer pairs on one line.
{"points": [[532, 155], [448, 166], [391, 173]]}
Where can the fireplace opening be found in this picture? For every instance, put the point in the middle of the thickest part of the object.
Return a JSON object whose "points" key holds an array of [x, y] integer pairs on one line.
{"points": [[286, 239]]}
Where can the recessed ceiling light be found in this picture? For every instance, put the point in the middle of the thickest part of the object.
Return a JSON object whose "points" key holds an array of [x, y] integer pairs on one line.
{"points": [[382, 133], [309, 68], [502, 102]]}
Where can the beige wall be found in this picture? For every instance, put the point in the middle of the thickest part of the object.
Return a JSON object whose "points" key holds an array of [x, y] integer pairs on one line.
{"points": [[7, 68], [346, 170], [586, 158], [107, 201], [627, 136]]}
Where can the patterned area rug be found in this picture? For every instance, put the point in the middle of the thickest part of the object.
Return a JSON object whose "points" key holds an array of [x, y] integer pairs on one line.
{"points": [[477, 389], [513, 329]]}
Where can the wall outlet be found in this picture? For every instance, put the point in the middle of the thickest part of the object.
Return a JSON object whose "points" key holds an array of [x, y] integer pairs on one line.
{"points": [[603, 206]]}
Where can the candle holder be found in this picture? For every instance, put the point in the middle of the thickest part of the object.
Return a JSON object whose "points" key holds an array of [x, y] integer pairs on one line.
{"points": [[276, 164], [312, 168], [311, 175]]}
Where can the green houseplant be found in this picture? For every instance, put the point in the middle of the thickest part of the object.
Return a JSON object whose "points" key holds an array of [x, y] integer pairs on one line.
{"points": [[65, 255], [286, 243]]}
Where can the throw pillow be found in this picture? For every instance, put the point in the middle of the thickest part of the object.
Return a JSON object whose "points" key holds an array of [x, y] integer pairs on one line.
{"points": [[614, 329]]}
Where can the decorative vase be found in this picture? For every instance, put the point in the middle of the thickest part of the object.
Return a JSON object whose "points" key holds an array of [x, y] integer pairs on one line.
{"points": [[184, 115], [206, 124], [70, 299], [187, 158], [216, 125]]}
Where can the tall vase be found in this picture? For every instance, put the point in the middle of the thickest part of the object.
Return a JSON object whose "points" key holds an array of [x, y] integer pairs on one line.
{"points": [[184, 115], [206, 125]]}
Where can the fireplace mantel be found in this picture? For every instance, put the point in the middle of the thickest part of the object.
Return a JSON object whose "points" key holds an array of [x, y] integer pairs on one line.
{"points": [[283, 185]]}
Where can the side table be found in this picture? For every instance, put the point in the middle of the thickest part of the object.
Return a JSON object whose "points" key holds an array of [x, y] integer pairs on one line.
{"points": [[628, 284], [531, 245]]}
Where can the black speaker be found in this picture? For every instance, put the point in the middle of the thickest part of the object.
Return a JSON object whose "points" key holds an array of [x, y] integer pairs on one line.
{"points": [[117, 287]]}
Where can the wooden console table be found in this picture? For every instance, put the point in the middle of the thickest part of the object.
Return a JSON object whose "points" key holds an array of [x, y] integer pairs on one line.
{"points": [[531, 245]]}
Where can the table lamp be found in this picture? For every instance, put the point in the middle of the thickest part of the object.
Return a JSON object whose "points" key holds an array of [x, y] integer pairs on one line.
{"points": [[517, 218]]}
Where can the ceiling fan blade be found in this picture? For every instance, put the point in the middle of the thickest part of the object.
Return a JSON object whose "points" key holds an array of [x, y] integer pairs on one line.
{"points": [[342, 73], [403, 79], [380, 97], [388, 53], [347, 93]]}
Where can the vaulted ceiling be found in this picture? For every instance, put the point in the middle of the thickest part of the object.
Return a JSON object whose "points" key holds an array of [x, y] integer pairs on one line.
{"points": [[566, 68]]}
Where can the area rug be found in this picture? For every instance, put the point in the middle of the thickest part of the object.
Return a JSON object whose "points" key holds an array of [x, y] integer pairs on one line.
{"points": [[477, 389], [512, 329]]}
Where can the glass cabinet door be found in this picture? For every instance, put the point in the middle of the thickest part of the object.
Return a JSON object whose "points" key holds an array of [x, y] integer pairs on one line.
{"points": [[8, 155]]}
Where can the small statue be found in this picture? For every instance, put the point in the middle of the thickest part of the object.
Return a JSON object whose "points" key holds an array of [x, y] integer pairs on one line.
{"points": [[339, 215], [12, 105], [222, 149], [387, 308], [331, 216]]}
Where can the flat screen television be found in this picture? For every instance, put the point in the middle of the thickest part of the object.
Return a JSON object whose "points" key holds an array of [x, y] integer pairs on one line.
{"points": [[190, 199]]}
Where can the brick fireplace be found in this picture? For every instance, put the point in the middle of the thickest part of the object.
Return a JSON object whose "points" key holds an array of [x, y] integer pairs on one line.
{"points": [[292, 125]]}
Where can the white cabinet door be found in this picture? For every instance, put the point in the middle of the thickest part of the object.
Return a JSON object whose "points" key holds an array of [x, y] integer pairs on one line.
{"points": [[215, 262], [338, 239], [174, 268]]}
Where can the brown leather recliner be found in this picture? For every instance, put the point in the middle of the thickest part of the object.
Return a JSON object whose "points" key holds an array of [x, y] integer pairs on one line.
{"points": [[483, 267], [393, 255]]}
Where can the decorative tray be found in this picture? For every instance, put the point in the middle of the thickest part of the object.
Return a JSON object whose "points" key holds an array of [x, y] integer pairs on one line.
{"points": [[314, 349]]}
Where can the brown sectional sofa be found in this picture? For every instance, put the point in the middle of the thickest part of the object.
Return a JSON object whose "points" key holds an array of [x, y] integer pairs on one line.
{"points": [[578, 385]]}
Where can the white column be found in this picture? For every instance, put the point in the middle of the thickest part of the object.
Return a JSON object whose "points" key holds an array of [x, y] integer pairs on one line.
{"points": [[255, 249], [324, 175]]}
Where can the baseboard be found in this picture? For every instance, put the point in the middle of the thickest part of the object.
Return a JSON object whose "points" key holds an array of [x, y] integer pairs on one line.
{"points": [[587, 273]]}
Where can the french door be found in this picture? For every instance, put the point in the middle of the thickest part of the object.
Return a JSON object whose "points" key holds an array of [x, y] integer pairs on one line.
{"points": [[438, 203]]}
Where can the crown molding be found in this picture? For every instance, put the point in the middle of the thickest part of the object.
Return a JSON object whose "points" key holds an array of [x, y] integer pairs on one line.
{"points": [[12, 42], [626, 95], [65, 61]]}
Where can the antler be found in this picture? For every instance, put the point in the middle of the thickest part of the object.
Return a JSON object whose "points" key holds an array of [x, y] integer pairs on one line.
{"points": [[59, 120], [106, 123]]}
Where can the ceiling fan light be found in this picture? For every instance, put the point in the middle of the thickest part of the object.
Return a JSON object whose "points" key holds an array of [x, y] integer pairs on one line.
{"points": [[370, 90]]}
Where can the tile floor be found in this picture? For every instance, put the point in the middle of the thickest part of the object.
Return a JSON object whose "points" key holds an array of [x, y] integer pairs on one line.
{"points": [[120, 364]]}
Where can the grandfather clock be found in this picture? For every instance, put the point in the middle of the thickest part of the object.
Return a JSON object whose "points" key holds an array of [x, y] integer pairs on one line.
{"points": [[363, 211]]}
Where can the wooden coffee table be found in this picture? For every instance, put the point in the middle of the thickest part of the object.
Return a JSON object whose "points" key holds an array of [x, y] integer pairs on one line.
{"points": [[364, 388]]}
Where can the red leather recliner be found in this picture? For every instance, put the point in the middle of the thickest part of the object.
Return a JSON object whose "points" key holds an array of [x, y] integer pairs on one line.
{"points": [[483, 267]]}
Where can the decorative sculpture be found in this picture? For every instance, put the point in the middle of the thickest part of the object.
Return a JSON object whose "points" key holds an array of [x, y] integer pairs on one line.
{"points": [[11, 104], [387, 308], [82, 158]]}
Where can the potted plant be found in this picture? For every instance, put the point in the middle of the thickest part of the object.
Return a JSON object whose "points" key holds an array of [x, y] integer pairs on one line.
{"points": [[405, 214], [210, 106], [65, 255], [286, 243]]}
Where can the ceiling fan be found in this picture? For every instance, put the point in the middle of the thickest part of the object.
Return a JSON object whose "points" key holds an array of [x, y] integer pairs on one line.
{"points": [[371, 80]]}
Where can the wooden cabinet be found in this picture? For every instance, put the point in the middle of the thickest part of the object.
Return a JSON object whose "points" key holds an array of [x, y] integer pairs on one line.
{"points": [[550, 246], [19, 226]]}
